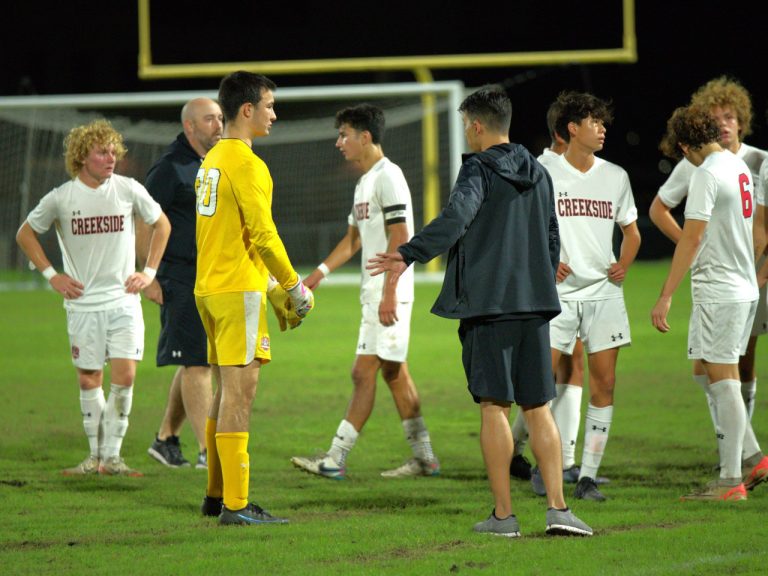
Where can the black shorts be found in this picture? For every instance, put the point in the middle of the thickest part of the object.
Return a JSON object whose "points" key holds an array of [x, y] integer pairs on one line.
{"points": [[508, 360], [182, 339]]}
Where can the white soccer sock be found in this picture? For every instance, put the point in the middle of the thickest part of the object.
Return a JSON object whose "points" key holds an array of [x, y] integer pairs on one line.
{"points": [[597, 425], [567, 414], [116, 419], [750, 446], [343, 442], [748, 391], [92, 405], [703, 381], [732, 422], [519, 433], [418, 437]]}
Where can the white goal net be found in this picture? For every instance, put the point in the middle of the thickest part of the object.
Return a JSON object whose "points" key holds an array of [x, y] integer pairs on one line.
{"points": [[313, 184]]}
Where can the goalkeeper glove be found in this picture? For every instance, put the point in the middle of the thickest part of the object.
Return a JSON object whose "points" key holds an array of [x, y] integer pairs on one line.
{"points": [[280, 301], [301, 299]]}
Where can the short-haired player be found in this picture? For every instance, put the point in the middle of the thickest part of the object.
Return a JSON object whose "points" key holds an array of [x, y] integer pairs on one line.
{"points": [[592, 197], [381, 219]]}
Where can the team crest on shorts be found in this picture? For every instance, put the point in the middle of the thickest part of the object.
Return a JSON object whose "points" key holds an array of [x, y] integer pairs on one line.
{"points": [[265, 342], [75, 352]]}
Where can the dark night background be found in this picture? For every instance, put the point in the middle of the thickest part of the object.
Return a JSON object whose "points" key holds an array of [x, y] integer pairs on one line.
{"points": [[86, 47]]}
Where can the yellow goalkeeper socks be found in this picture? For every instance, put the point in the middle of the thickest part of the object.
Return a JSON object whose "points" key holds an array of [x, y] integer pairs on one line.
{"points": [[235, 468], [215, 486]]}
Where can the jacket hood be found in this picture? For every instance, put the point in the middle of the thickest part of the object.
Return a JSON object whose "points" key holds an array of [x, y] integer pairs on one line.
{"points": [[514, 163]]}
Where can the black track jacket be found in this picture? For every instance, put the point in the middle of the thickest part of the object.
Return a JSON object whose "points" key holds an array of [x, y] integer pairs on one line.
{"points": [[501, 228]]}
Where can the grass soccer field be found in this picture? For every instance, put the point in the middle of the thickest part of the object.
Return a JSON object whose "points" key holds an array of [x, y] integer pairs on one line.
{"points": [[661, 445]]}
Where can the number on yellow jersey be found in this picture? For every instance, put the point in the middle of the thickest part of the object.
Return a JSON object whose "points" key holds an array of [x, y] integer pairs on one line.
{"points": [[206, 187]]}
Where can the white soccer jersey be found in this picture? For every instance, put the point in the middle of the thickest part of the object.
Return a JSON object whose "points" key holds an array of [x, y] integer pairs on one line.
{"points": [[761, 182], [721, 193], [588, 206], [96, 235], [675, 189], [547, 155], [382, 197]]}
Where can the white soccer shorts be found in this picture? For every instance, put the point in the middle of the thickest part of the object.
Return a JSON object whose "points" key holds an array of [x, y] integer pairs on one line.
{"points": [[719, 333], [386, 342], [94, 337], [760, 324], [601, 325]]}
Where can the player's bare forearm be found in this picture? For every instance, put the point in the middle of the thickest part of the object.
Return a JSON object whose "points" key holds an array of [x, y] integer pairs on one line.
{"points": [[630, 246], [143, 235], [661, 216], [685, 252], [61, 283], [762, 274], [27, 240], [758, 231], [161, 231], [346, 248], [398, 235]]}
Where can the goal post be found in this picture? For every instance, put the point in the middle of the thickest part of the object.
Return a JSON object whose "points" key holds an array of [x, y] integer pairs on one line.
{"points": [[313, 184]]}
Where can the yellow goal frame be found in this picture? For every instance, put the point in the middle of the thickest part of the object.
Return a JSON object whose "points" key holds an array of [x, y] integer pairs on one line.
{"points": [[421, 66]]}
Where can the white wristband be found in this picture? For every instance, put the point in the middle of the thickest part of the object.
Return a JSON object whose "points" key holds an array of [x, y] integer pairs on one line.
{"points": [[324, 270], [49, 273], [150, 272]]}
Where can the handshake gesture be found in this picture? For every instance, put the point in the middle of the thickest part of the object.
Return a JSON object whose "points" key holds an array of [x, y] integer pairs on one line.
{"points": [[290, 306]]}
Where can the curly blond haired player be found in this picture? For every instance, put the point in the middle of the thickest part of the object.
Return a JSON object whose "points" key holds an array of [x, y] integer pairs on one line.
{"points": [[717, 246], [238, 248], [730, 104], [94, 217]]}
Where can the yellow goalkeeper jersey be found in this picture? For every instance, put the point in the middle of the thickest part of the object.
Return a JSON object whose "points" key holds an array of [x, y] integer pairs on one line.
{"points": [[237, 241]]}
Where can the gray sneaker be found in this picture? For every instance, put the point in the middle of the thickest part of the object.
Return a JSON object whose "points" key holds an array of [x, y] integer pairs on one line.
{"points": [[571, 475], [251, 514], [507, 527], [202, 460], [586, 489], [168, 452], [565, 523], [537, 482]]}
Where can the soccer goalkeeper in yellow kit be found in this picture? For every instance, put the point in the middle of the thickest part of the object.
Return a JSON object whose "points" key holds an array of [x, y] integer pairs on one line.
{"points": [[238, 248]]}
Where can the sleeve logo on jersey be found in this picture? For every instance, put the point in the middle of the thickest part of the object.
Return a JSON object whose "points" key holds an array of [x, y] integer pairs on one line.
{"points": [[361, 211], [584, 207], [97, 224]]}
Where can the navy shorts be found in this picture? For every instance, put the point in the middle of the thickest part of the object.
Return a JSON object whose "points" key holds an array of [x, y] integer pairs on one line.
{"points": [[508, 360], [182, 336]]}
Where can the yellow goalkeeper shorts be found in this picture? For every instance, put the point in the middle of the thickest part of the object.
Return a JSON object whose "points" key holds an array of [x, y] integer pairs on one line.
{"points": [[236, 326]]}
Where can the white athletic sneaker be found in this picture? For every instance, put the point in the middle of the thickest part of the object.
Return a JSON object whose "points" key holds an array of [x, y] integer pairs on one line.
{"points": [[414, 467], [322, 465], [88, 466], [116, 466]]}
